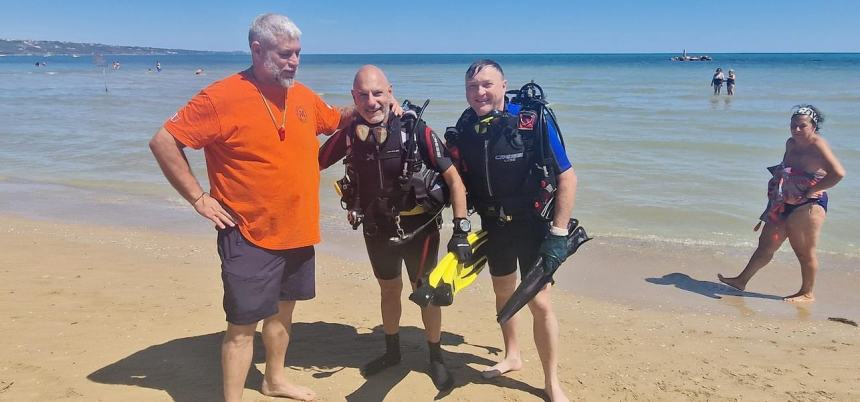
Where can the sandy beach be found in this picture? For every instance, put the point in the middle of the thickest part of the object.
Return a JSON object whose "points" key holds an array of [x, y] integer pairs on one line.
{"points": [[95, 313]]}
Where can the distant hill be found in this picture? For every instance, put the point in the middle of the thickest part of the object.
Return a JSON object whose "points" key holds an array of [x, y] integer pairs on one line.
{"points": [[50, 47]]}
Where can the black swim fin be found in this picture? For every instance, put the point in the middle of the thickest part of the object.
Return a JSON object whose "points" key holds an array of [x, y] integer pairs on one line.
{"points": [[536, 278]]}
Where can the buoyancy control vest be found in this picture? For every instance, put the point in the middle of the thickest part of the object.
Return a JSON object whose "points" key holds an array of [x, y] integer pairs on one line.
{"points": [[505, 158], [389, 178]]}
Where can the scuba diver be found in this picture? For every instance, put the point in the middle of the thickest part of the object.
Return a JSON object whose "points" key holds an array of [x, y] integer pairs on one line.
{"points": [[398, 179], [518, 178]]}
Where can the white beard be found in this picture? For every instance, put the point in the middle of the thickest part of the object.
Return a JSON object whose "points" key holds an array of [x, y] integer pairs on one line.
{"points": [[276, 74]]}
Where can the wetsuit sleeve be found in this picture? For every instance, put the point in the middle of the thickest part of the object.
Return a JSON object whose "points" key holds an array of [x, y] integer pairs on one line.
{"points": [[333, 150], [432, 150], [556, 146]]}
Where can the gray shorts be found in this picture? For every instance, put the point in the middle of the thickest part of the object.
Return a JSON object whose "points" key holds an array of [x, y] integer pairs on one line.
{"points": [[256, 279]]}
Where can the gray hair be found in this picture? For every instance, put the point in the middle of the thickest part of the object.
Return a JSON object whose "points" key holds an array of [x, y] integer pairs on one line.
{"points": [[266, 28]]}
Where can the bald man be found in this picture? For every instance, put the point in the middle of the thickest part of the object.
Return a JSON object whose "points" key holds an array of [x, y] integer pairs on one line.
{"points": [[376, 147]]}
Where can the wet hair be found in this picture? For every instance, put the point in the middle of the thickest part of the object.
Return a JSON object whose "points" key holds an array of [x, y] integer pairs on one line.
{"points": [[481, 64], [267, 27], [814, 114]]}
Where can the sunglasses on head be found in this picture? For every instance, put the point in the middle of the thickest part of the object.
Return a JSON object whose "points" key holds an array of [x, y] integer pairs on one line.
{"points": [[379, 133]]}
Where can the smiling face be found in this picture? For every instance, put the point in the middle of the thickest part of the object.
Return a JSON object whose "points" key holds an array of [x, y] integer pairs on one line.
{"points": [[485, 91], [802, 127], [276, 63], [372, 94]]}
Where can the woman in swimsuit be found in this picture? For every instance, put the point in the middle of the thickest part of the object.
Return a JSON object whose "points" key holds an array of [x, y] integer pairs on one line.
{"points": [[717, 81], [797, 212], [730, 83]]}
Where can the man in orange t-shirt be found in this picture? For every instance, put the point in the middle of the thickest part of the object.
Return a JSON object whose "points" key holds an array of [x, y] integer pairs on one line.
{"points": [[258, 129]]}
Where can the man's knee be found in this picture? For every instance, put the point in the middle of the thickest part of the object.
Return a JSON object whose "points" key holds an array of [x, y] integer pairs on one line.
{"points": [[390, 288], [541, 305], [504, 286], [239, 335]]}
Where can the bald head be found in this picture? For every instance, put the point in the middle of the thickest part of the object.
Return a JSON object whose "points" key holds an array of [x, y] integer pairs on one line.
{"points": [[372, 94]]}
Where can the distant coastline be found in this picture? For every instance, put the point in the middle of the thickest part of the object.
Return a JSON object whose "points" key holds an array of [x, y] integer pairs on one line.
{"points": [[15, 47]]}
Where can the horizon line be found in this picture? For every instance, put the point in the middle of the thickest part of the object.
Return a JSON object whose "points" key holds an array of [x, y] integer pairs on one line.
{"points": [[241, 52]]}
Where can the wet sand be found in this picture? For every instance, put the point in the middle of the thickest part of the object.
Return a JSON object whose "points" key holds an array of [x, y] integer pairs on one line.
{"points": [[100, 313]]}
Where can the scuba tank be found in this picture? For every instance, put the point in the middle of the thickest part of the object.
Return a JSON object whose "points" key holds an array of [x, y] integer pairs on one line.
{"points": [[535, 113]]}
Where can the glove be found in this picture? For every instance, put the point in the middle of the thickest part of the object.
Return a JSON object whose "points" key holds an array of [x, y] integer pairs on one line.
{"points": [[554, 252], [460, 247]]}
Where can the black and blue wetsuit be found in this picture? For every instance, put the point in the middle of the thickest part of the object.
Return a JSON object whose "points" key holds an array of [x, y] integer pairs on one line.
{"points": [[496, 156]]}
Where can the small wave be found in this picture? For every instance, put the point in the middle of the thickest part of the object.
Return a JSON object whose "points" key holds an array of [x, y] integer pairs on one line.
{"points": [[737, 246]]}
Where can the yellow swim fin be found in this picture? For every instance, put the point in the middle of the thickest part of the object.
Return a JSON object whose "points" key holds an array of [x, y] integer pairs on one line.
{"points": [[449, 261], [438, 288], [468, 272]]}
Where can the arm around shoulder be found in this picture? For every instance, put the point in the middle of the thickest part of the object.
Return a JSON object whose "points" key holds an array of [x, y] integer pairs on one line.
{"points": [[347, 116]]}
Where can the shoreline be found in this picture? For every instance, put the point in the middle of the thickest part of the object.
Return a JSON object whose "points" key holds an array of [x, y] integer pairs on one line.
{"points": [[157, 207], [615, 269], [96, 312]]}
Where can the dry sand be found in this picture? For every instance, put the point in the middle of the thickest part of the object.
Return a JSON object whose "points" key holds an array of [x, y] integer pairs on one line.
{"points": [[104, 314]]}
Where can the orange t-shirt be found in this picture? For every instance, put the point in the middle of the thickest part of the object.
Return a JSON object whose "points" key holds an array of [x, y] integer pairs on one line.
{"points": [[270, 186]]}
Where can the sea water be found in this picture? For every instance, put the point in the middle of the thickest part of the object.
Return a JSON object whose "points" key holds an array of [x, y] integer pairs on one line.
{"points": [[657, 156]]}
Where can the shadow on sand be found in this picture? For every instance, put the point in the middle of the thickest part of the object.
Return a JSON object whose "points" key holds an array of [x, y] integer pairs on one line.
{"points": [[189, 369], [714, 290]]}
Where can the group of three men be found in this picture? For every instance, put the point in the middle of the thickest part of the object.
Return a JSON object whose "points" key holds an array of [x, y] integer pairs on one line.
{"points": [[259, 128]]}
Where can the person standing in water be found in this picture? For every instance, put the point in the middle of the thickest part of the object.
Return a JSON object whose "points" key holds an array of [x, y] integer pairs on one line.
{"points": [[717, 81], [730, 83], [797, 202]]}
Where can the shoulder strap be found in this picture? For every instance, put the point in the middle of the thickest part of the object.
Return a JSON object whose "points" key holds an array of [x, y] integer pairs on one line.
{"points": [[411, 120]]}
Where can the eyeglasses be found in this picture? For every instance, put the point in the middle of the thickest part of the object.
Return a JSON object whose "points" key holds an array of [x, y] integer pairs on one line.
{"points": [[380, 133], [483, 125]]}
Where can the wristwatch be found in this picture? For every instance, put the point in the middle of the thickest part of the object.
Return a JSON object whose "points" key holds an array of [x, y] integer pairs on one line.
{"points": [[462, 225]]}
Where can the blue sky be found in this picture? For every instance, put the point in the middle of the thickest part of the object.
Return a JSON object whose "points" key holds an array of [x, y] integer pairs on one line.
{"points": [[439, 26]]}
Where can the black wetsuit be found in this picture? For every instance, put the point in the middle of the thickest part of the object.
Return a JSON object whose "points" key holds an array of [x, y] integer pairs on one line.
{"points": [[378, 167], [497, 169]]}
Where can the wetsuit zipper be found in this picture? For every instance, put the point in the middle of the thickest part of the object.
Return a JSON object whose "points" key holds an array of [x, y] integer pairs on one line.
{"points": [[487, 168], [379, 170]]}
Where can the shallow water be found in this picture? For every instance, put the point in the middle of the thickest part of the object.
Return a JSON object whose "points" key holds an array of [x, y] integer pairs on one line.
{"points": [[657, 156]]}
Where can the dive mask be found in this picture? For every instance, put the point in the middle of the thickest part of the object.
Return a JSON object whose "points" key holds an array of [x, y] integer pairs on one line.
{"points": [[484, 123], [363, 131]]}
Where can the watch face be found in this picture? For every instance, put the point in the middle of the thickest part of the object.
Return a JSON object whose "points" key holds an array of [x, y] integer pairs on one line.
{"points": [[465, 225]]}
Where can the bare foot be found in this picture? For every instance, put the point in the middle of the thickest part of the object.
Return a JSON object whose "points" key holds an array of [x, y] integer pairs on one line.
{"points": [[800, 297], [556, 394], [502, 367], [733, 282], [287, 390]]}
